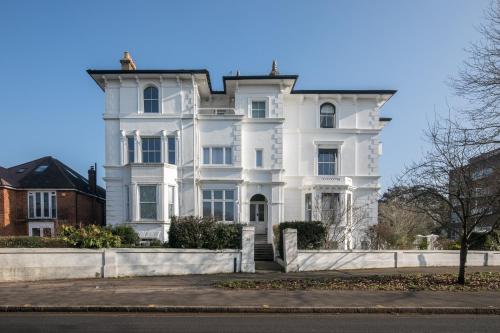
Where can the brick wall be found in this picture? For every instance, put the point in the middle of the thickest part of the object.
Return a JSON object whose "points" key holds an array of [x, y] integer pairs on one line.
{"points": [[73, 208]]}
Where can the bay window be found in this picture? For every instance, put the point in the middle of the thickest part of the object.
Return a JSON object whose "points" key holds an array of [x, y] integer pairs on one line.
{"points": [[42, 205]]}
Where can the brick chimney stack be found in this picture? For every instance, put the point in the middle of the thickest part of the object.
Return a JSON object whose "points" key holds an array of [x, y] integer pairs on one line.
{"points": [[127, 62], [93, 180]]}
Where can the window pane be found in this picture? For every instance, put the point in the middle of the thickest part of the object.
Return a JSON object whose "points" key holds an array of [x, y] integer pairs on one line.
{"points": [[147, 194], [54, 206], [258, 158], [252, 212], [229, 155], [38, 202], [218, 195], [131, 149], [47, 232], [31, 207], [206, 155], [207, 195], [229, 195], [45, 204], [217, 156], [207, 208], [229, 211], [148, 211], [261, 212], [171, 150], [218, 210], [35, 232], [151, 150], [259, 109]]}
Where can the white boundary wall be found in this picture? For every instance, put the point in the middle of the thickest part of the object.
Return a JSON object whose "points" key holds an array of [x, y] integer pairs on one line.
{"points": [[317, 260], [22, 264]]}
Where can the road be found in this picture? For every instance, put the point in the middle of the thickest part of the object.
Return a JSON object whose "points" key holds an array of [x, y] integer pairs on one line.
{"points": [[276, 323]]}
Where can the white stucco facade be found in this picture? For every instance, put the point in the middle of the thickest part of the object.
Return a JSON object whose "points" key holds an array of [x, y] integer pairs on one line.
{"points": [[254, 147]]}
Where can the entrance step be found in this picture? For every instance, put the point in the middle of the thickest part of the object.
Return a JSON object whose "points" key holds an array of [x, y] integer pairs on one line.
{"points": [[263, 252], [267, 266], [261, 238]]}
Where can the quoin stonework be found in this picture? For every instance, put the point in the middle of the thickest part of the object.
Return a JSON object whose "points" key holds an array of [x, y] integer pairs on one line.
{"points": [[258, 152]]}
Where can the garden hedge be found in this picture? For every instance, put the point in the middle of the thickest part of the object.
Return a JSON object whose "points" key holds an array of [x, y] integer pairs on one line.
{"points": [[32, 242], [191, 232], [311, 235]]}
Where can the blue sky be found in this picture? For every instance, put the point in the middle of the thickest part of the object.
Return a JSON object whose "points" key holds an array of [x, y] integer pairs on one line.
{"points": [[49, 105]]}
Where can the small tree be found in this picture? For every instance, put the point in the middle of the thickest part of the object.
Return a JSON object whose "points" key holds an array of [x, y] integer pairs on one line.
{"points": [[444, 185], [342, 218]]}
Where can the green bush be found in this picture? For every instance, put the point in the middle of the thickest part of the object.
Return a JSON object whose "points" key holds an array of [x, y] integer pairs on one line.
{"points": [[32, 242], [128, 236], [423, 244], [310, 235], [90, 236], [193, 232]]}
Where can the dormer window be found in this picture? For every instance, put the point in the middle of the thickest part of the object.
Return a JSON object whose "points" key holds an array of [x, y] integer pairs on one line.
{"points": [[151, 104], [327, 115]]}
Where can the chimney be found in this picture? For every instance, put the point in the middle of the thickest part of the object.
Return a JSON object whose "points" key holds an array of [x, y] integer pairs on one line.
{"points": [[93, 180], [127, 62]]}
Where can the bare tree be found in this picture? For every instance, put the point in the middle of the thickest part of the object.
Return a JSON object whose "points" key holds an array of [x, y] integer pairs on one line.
{"points": [[445, 185], [342, 218], [399, 222], [479, 80]]}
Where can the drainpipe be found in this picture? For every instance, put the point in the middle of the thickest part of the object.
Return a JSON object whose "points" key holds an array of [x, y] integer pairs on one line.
{"points": [[195, 151]]}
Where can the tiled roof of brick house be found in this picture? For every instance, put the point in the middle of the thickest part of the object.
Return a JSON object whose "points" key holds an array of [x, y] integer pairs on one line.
{"points": [[46, 173]]}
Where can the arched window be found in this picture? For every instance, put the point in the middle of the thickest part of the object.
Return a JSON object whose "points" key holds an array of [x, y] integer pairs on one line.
{"points": [[151, 100], [327, 115]]}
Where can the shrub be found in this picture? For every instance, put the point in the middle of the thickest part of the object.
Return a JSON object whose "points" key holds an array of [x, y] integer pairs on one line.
{"points": [[90, 236], [128, 236], [32, 242], [193, 232], [423, 244], [448, 244], [310, 235]]}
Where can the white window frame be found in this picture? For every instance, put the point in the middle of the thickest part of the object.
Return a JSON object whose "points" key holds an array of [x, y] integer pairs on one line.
{"points": [[224, 200], [264, 100], [32, 212], [261, 151], [139, 202], [334, 114], [328, 145], [142, 149], [335, 163], [210, 156], [150, 85], [171, 201], [130, 139]]}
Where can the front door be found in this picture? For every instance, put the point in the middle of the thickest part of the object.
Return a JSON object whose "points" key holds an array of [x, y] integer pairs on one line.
{"points": [[258, 216]]}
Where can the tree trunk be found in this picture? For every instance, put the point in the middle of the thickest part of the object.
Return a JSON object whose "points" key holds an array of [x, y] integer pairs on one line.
{"points": [[463, 260]]}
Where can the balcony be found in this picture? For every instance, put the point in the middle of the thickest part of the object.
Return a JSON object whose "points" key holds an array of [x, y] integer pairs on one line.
{"points": [[341, 181], [216, 111]]}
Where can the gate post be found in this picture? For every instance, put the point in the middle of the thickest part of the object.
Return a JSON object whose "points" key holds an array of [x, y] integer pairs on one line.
{"points": [[247, 249], [290, 251]]}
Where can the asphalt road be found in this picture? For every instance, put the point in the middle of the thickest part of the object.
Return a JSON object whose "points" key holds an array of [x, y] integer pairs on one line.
{"points": [[137, 322]]}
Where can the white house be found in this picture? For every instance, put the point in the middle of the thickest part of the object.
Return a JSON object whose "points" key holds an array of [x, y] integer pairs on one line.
{"points": [[258, 152]]}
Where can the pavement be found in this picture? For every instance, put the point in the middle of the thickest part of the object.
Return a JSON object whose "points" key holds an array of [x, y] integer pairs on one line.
{"points": [[196, 293]]}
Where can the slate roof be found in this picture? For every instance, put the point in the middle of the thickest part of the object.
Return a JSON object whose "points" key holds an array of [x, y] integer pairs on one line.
{"points": [[46, 172]]}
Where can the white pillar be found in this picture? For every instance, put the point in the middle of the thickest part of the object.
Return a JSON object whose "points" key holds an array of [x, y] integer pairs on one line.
{"points": [[247, 249], [134, 202], [123, 148], [138, 147]]}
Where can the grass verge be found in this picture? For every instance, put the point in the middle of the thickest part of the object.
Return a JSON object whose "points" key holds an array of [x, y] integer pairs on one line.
{"points": [[478, 281]]}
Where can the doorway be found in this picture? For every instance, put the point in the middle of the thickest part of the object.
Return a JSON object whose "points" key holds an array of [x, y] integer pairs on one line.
{"points": [[258, 214]]}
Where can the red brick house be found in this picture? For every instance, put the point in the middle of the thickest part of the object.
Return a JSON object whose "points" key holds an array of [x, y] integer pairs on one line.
{"points": [[37, 197]]}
